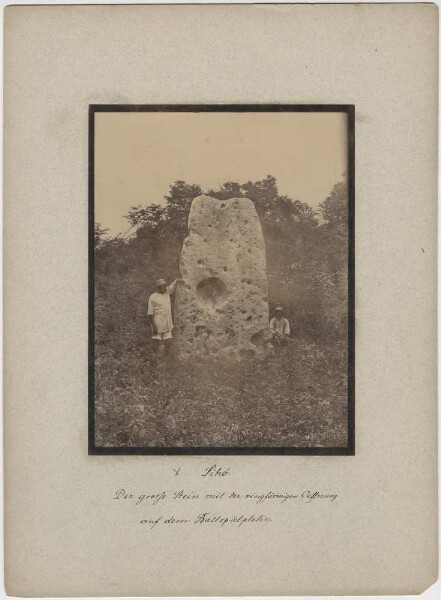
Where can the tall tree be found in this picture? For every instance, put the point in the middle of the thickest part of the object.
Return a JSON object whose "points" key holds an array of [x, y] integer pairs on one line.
{"points": [[179, 201], [334, 209]]}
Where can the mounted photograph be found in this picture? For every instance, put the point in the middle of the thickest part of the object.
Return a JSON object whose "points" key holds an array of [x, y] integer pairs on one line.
{"points": [[221, 279]]}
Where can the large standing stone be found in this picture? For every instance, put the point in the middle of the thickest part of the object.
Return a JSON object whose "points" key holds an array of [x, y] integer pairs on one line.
{"points": [[222, 306]]}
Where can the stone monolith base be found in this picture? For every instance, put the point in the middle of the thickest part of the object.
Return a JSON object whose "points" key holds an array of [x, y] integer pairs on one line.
{"points": [[222, 306]]}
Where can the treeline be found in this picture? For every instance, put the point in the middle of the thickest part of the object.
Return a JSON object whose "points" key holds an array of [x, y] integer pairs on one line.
{"points": [[306, 252]]}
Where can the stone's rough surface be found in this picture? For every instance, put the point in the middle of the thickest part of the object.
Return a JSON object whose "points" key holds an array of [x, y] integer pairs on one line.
{"points": [[222, 306]]}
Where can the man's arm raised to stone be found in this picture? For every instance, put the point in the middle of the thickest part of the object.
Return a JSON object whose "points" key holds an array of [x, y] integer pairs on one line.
{"points": [[172, 287]]}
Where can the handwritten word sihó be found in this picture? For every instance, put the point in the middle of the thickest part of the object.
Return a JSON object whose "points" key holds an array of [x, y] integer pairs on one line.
{"points": [[215, 471]]}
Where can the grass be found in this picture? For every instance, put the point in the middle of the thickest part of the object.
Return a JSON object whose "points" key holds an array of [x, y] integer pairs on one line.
{"points": [[294, 398]]}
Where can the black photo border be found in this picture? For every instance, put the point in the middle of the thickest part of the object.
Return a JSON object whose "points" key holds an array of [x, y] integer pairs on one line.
{"points": [[349, 109]]}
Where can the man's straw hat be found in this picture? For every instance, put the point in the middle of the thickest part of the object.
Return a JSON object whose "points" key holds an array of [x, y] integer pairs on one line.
{"points": [[160, 282]]}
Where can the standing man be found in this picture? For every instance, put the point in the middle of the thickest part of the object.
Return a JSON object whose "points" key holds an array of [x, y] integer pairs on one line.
{"points": [[159, 315], [279, 327]]}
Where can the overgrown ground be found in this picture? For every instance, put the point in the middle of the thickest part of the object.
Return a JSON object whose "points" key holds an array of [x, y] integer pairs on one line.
{"points": [[294, 398]]}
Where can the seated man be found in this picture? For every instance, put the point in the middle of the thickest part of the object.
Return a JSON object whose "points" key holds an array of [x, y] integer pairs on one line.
{"points": [[159, 314], [279, 327]]}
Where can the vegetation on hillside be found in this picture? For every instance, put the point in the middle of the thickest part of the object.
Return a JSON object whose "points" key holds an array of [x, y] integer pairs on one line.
{"points": [[294, 398]]}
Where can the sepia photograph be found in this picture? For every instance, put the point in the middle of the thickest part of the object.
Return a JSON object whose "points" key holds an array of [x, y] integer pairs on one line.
{"points": [[221, 279]]}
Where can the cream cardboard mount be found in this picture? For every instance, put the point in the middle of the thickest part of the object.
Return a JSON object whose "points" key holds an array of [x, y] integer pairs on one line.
{"points": [[65, 535]]}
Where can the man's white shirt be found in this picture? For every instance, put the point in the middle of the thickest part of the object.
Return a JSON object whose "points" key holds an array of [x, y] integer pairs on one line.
{"points": [[280, 326], [160, 307]]}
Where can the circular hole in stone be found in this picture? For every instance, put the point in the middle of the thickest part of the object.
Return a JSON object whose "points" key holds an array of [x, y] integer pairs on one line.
{"points": [[211, 291]]}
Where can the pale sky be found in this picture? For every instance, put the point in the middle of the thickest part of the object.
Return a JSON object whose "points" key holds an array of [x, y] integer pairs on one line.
{"points": [[139, 155]]}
